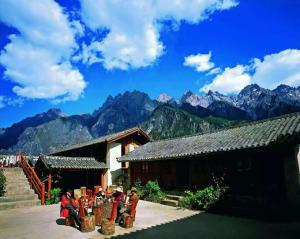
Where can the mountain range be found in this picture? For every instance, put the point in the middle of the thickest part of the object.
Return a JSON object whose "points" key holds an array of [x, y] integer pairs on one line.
{"points": [[164, 117]]}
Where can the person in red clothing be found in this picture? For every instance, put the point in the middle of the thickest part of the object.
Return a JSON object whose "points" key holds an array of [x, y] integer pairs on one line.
{"points": [[119, 198], [68, 207]]}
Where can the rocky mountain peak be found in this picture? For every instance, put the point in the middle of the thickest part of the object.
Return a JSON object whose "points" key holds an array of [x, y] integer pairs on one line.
{"points": [[55, 112], [164, 98], [283, 89], [253, 90], [186, 95]]}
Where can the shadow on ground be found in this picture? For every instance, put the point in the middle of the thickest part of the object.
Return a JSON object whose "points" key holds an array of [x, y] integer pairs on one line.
{"points": [[209, 225]]}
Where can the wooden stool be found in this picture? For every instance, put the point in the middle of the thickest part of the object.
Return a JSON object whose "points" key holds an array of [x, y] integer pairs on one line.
{"points": [[88, 223], [107, 209], [107, 228], [97, 211], [127, 221], [70, 221]]}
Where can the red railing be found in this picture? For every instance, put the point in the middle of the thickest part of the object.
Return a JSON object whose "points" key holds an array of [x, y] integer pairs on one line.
{"points": [[35, 182]]}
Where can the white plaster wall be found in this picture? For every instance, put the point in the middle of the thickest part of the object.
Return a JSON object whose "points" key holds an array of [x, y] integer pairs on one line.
{"points": [[131, 147], [114, 150]]}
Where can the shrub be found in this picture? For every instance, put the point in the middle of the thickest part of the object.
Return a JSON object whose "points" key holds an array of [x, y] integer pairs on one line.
{"points": [[138, 185], [188, 200], [203, 199], [206, 197], [55, 196], [2, 183], [152, 192]]}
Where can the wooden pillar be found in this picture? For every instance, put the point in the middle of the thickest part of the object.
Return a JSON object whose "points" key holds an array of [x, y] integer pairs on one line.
{"points": [[102, 179], [49, 185]]}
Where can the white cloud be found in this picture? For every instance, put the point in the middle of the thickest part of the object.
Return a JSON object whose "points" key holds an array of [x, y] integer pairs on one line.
{"points": [[274, 69], [214, 71], [278, 68], [201, 62], [5, 101], [38, 58], [231, 80], [133, 26]]}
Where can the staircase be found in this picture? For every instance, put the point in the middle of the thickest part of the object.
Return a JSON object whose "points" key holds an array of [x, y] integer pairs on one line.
{"points": [[18, 192], [171, 200]]}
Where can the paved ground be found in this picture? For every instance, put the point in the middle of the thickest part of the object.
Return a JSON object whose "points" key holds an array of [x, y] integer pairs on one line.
{"points": [[160, 221], [43, 221]]}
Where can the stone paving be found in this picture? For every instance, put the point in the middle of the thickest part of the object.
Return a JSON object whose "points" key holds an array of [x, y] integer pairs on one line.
{"points": [[152, 221], [43, 221]]}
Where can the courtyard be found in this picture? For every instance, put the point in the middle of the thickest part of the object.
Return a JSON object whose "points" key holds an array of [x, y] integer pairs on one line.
{"points": [[152, 221]]}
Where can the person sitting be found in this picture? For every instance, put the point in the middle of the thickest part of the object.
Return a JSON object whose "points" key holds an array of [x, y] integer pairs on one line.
{"points": [[99, 198], [68, 208], [130, 206], [118, 197]]}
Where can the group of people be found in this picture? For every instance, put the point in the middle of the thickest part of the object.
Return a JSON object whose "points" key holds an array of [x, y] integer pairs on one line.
{"points": [[9, 161], [69, 207], [124, 206]]}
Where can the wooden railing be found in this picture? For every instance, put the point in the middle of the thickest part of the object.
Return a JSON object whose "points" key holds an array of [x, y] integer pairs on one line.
{"points": [[35, 182]]}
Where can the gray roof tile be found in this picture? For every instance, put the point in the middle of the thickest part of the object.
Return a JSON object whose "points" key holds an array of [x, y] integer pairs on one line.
{"points": [[99, 140], [252, 135], [60, 162]]}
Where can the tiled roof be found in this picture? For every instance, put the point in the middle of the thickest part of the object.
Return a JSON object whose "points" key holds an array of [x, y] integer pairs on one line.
{"points": [[255, 134], [32, 159], [99, 140], [59, 162]]}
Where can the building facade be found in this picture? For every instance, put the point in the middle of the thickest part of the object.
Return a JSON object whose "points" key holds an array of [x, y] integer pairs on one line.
{"points": [[259, 162], [104, 150]]}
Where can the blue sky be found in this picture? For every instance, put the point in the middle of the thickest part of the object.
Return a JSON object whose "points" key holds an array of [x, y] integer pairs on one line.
{"points": [[73, 55]]}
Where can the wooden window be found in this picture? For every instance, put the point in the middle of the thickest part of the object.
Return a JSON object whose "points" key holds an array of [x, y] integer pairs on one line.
{"points": [[125, 164], [145, 167]]}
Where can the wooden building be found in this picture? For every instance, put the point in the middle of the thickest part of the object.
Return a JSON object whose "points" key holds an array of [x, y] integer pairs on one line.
{"points": [[259, 161], [93, 162], [70, 172]]}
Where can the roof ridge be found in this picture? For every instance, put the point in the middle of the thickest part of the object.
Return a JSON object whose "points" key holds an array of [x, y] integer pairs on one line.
{"points": [[60, 149], [233, 127]]}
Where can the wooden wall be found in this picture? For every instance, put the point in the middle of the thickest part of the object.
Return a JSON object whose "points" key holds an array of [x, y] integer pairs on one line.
{"points": [[256, 172]]}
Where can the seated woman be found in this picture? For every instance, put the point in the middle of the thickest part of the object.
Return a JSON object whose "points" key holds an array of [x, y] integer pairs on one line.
{"points": [[130, 206], [118, 197], [99, 198], [68, 208]]}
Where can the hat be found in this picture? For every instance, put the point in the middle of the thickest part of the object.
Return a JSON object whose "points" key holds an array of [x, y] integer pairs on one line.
{"points": [[119, 189], [133, 189]]}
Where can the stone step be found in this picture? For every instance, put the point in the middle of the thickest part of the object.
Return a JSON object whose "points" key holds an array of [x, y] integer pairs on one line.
{"points": [[11, 174], [17, 187], [14, 169], [170, 202], [18, 197], [13, 186], [18, 204], [14, 177], [18, 182], [174, 197], [18, 175], [17, 192]]}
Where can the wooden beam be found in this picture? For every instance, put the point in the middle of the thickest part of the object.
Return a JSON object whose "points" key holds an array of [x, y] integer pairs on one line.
{"points": [[49, 185], [103, 179]]}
